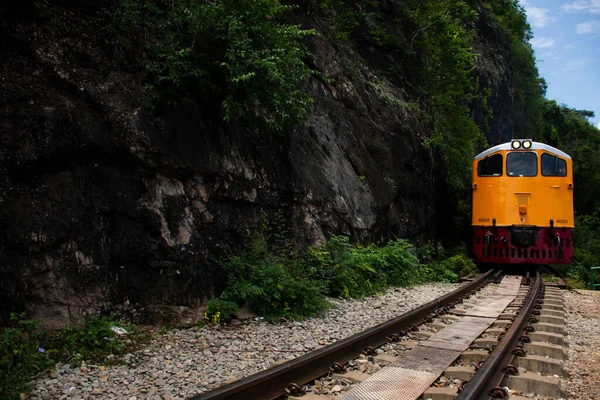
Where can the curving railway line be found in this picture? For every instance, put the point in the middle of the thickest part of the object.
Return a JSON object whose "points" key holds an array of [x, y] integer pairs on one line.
{"points": [[493, 333]]}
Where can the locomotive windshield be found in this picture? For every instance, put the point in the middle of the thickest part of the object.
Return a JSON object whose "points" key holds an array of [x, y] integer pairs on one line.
{"points": [[490, 166], [553, 165], [521, 164]]}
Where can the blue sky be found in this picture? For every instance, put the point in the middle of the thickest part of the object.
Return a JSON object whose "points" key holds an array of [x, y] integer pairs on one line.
{"points": [[567, 48]]}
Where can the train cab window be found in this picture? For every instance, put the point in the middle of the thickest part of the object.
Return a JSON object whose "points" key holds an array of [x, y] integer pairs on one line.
{"points": [[553, 165], [490, 166], [521, 164]]}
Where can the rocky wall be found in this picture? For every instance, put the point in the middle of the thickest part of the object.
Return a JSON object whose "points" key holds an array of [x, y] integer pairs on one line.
{"points": [[104, 207]]}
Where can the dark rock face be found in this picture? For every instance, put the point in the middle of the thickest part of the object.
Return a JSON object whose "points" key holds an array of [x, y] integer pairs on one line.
{"points": [[103, 207], [494, 71]]}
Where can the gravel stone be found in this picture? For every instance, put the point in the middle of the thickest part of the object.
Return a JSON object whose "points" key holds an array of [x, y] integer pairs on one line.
{"points": [[186, 362], [583, 329]]}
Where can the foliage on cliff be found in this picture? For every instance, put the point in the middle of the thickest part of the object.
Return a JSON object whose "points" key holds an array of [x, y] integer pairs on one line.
{"points": [[432, 45], [570, 130], [238, 55], [560, 126], [249, 60], [444, 57], [529, 88]]}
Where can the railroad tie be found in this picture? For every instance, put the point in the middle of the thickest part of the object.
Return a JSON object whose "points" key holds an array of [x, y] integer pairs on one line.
{"points": [[420, 367]]}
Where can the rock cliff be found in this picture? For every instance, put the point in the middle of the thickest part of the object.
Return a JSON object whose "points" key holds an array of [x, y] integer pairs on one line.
{"points": [[104, 207]]}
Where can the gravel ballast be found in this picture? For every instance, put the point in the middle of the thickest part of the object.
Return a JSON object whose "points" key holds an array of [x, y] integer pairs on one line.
{"points": [[583, 329], [184, 362]]}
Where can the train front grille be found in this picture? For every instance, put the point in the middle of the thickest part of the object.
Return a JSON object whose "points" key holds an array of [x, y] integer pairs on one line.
{"points": [[523, 237]]}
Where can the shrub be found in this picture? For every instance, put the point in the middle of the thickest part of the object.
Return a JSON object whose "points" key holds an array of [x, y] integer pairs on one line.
{"points": [[276, 282], [316, 265], [22, 355], [402, 263], [340, 17], [368, 270], [270, 289], [93, 340], [269, 276], [578, 273], [443, 267], [357, 273], [220, 311]]}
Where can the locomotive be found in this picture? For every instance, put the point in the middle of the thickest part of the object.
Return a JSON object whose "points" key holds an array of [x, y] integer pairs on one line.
{"points": [[522, 204]]}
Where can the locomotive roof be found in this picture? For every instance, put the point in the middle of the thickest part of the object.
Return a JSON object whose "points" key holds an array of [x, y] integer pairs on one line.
{"points": [[534, 146]]}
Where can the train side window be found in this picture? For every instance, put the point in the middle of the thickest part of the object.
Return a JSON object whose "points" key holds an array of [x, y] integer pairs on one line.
{"points": [[553, 165], [490, 166], [521, 164]]}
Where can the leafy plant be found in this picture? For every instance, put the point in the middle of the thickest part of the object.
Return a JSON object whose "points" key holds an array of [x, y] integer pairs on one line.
{"points": [[529, 88], [220, 311], [93, 340], [276, 281], [402, 263], [271, 289], [241, 55], [265, 276], [444, 266], [356, 273], [341, 17], [359, 271], [21, 355]]}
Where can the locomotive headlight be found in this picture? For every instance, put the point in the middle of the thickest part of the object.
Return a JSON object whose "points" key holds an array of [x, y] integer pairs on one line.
{"points": [[515, 144], [527, 144]]}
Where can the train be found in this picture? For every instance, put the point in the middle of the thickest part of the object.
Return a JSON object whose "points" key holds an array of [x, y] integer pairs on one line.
{"points": [[522, 207]]}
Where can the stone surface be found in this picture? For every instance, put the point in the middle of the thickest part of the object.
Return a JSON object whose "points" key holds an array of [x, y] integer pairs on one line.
{"points": [[104, 207], [583, 329], [185, 362]]}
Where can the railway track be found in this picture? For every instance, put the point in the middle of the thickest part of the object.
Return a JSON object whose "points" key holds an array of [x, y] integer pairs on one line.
{"points": [[473, 343]]}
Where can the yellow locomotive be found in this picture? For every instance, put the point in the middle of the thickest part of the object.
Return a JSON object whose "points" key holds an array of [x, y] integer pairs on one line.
{"points": [[523, 204]]}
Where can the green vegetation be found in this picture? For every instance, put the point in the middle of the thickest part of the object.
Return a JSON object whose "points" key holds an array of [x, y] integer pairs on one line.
{"points": [[218, 311], [21, 355], [570, 130], [560, 126], [27, 350], [444, 266], [358, 271], [278, 282], [341, 18], [265, 276], [92, 341], [238, 54], [442, 44], [529, 88]]}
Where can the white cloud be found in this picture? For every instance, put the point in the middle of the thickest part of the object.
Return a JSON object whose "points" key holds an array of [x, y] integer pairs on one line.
{"points": [[542, 42], [569, 46], [588, 27], [538, 17], [550, 55], [590, 6], [575, 66]]}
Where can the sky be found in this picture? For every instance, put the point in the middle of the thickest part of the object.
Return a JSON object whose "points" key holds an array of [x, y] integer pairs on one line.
{"points": [[567, 48]]}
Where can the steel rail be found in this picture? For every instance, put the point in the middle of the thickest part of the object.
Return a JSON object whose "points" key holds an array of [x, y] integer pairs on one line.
{"points": [[486, 382], [272, 383]]}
